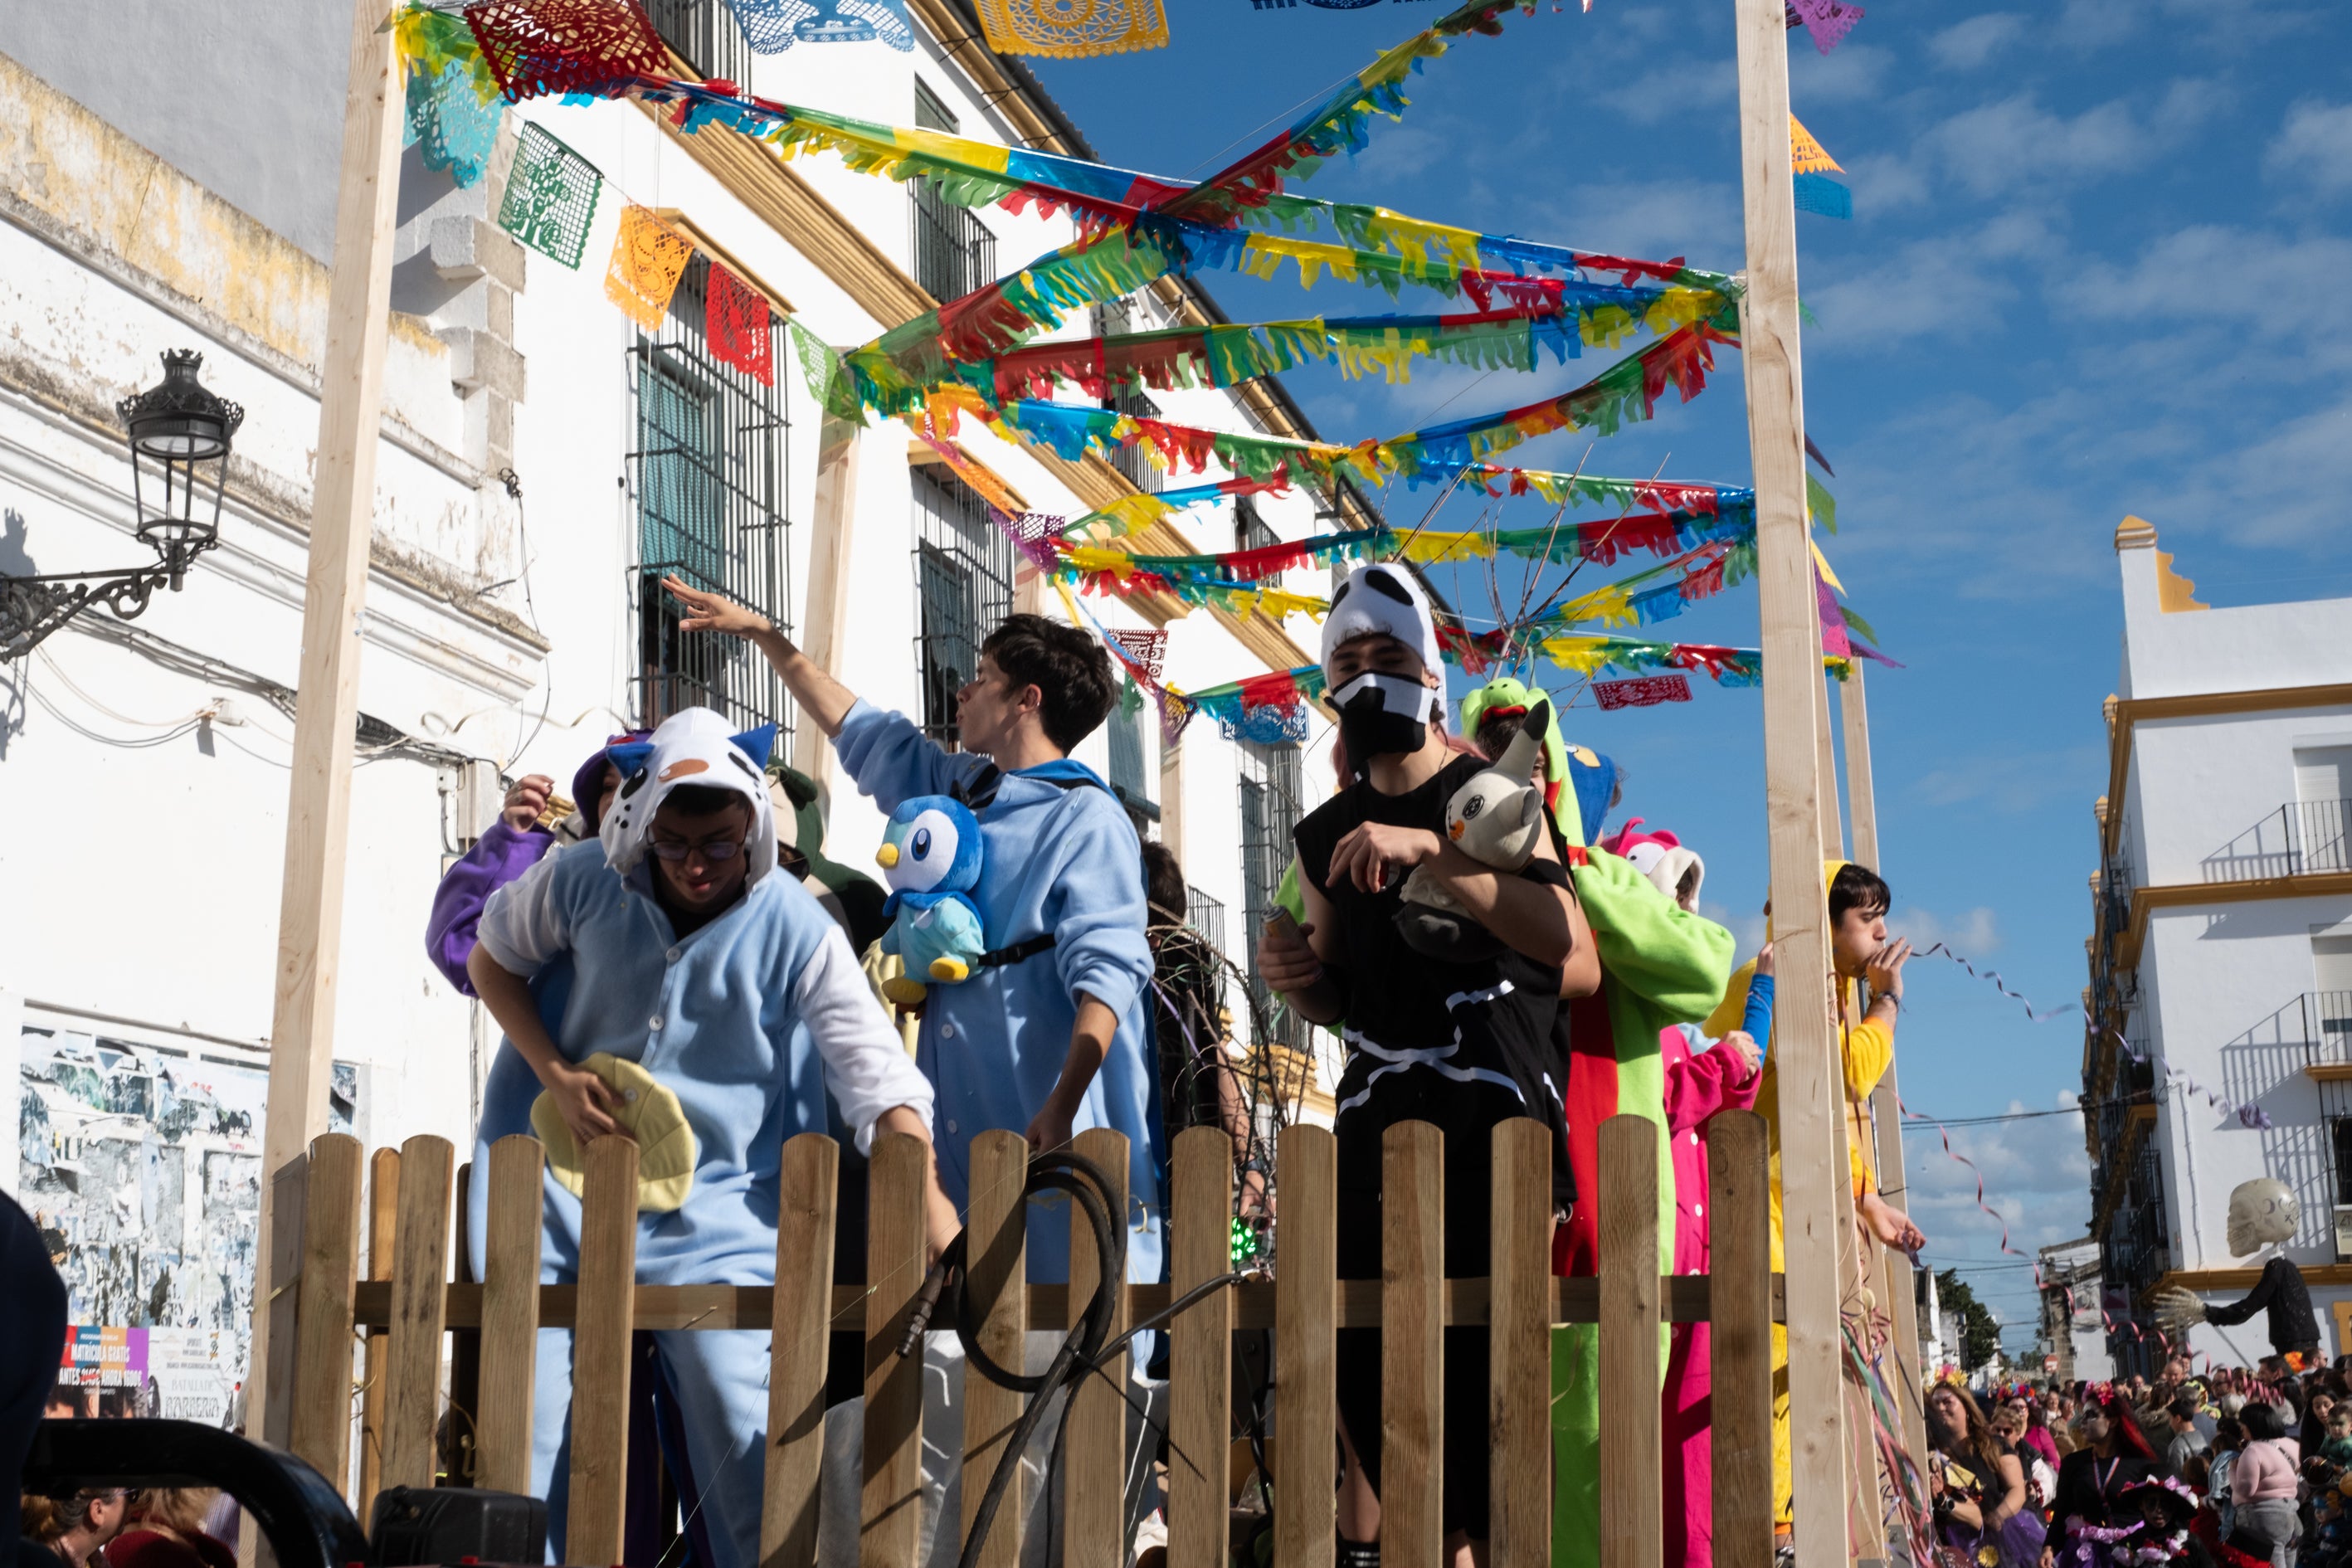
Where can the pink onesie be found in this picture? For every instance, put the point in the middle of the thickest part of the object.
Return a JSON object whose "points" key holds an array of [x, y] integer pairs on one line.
{"points": [[1700, 1081]]}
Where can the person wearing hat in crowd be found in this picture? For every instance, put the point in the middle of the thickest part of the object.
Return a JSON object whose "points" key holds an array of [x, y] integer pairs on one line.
{"points": [[713, 1007], [2165, 1509], [1457, 1044]]}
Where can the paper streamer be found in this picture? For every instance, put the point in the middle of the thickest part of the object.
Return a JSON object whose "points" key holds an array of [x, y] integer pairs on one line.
{"points": [[737, 324], [551, 197], [770, 26], [1829, 21]]}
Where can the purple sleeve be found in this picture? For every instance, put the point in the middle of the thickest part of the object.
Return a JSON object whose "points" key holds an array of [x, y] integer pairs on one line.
{"points": [[498, 857]]}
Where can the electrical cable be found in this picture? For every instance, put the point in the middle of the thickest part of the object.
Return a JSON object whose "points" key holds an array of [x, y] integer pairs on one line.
{"points": [[1085, 1348]]}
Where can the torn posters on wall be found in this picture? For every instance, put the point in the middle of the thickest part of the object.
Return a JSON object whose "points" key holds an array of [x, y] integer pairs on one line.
{"points": [[141, 1166]]}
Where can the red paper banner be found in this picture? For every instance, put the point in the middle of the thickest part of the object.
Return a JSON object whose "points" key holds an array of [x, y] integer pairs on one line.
{"points": [[736, 324], [1643, 691]]}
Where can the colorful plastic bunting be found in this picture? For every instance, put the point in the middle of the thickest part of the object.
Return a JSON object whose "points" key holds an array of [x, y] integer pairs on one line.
{"points": [[1815, 190], [738, 326], [551, 197], [1073, 29], [770, 26], [648, 258]]}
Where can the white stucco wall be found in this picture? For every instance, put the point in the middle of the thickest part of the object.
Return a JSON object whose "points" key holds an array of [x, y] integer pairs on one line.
{"points": [[2222, 983]]}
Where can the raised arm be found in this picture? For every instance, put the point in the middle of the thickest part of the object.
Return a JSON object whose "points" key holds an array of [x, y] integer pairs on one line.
{"points": [[817, 693]]}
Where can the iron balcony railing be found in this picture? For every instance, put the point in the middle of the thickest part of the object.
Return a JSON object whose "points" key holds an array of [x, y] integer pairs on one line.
{"points": [[954, 252], [2327, 1026], [1205, 915], [704, 34], [2299, 840]]}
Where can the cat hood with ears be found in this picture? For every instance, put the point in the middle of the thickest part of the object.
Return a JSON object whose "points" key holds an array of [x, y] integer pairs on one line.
{"points": [[1382, 600], [691, 747]]}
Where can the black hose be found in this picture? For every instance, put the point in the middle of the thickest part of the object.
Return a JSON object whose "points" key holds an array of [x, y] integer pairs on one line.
{"points": [[1084, 1350]]}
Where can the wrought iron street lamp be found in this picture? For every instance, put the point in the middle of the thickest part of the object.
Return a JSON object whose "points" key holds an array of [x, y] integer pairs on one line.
{"points": [[179, 434]]}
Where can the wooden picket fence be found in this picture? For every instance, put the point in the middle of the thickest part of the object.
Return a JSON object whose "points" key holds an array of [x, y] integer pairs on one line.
{"points": [[407, 1306]]}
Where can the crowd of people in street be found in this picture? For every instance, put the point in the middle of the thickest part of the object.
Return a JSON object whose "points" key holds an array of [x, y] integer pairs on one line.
{"points": [[2230, 1468]]}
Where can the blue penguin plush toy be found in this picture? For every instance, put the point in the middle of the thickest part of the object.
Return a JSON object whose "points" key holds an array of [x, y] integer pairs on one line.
{"points": [[930, 858]]}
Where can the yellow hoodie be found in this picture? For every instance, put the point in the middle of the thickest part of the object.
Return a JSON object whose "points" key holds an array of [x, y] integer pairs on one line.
{"points": [[1865, 1049]]}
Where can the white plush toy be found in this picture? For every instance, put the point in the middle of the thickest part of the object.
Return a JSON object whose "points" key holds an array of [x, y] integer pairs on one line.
{"points": [[1497, 819]]}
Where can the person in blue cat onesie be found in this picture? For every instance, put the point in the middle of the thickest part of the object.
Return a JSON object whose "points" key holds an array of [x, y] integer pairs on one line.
{"points": [[1048, 1036], [713, 1006]]}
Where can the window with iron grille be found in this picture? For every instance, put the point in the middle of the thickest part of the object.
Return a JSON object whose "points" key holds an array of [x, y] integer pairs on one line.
{"points": [[1205, 915], [1270, 791], [712, 476], [1111, 318], [963, 587], [1251, 532], [704, 34], [1130, 774], [954, 252]]}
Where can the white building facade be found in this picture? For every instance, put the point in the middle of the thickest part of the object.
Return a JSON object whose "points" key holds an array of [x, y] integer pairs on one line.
{"points": [[2221, 998], [543, 461], [2073, 1342]]}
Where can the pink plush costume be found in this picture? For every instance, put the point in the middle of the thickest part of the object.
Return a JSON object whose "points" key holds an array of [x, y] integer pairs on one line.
{"points": [[1700, 1081]]}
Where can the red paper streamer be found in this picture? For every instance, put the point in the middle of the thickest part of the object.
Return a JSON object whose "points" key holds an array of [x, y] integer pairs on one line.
{"points": [[737, 324], [1643, 691], [536, 47]]}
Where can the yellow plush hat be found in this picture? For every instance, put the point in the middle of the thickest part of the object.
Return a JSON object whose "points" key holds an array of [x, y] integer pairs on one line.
{"points": [[649, 1113]]}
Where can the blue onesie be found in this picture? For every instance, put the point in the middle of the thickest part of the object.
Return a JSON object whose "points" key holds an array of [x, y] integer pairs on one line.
{"points": [[1058, 860], [751, 1020]]}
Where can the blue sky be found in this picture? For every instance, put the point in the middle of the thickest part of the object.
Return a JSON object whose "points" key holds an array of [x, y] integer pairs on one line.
{"points": [[2097, 266]]}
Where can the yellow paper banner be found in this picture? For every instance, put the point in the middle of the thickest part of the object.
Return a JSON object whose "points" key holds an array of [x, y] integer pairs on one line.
{"points": [[1806, 155], [1073, 29], [648, 258]]}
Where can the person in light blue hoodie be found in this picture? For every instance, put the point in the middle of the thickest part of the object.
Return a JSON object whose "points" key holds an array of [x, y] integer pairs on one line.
{"points": [[1048, 1035], [712, 1010]]}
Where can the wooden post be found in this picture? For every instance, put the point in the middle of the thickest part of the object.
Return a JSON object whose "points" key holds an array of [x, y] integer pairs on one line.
{"points": [[1519, 1353], [600, 1351], [893, 1495], [1739, 1312], [1632, 1522], [796, 1364], [996, 1228], [1200, 1350], [326, 706], [1412, 1343], [1094, 1465], [1825, 761], [1305, 1379], [420, 1294], [320, 1426], [1885, 1101], [282, 1314], [383, 1227], [510, 1253], [1813, 1208], [831, 547]]}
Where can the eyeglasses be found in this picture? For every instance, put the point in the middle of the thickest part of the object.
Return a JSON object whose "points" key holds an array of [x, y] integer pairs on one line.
{"points": [[717, 851]]}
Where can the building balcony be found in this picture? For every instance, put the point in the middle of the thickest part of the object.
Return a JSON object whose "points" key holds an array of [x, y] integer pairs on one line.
{"points": [[2301, 838], [2326, 1018]]}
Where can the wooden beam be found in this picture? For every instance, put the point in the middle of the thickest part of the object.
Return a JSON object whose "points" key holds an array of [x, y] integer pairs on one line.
{"points": [[1813, 1208], [326, 706], [1887, 1099], [826, 607]]}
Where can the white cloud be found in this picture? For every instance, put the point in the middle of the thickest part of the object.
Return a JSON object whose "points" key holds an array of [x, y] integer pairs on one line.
{"points": [[1674, 92], [2011, 782], [1968, 45], [1852, 75], [2314, 145], [2036, 1177], [1971, 933]]}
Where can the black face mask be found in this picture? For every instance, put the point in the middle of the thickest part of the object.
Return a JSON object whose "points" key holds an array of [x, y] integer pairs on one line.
{"points": [[1382, 716]]}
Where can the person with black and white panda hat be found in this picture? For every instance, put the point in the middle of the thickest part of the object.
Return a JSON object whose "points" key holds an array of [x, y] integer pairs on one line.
{"points": [[1426, 1041]]}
